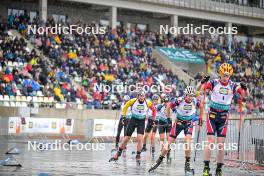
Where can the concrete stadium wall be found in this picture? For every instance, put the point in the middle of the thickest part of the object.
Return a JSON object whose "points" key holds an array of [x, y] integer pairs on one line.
{"points": [[192, 69], [3, 126], [75, 114], [83, 119], [84, 13], [173, 10], [87, 13], [58, 113], [83, 126]]}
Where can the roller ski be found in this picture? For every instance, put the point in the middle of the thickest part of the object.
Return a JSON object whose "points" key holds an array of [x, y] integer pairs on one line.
{"points": [[156, 164], [206, 171], [168, 157], [113, 150], [124, 154], [188, 170], [153, 152]]}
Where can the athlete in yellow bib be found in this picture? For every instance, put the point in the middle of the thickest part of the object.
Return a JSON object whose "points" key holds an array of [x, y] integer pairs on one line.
{"points": [[139, 107]]}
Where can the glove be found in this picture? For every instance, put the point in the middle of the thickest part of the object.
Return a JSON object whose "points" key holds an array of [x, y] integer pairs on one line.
{"points": [[205, 79], [123, 120], [155, 123], [200, 122], [195, 117], [168, 121], [243, 86]]}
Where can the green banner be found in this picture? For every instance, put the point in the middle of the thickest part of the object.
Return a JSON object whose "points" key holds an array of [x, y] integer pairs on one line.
{"points": [[181, 55]]}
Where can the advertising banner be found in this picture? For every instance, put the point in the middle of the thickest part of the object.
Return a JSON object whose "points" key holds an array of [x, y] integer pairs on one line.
{"points": [[40, 125], [108, 128], [181, 55]]}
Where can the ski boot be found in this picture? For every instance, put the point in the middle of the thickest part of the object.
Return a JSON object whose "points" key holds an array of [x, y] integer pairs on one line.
{"points": [[206, 171], [188, 170], [115, 149], [117, 155], [156, 164], [168, 157], [218, 172], [138, 158], [144, 148]]}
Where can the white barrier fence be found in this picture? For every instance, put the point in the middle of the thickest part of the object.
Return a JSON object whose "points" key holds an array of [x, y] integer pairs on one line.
{"points": [[251, 145]]}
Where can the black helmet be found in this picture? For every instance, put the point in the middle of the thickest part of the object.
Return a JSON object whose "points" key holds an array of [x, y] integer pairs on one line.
{"points": [[141, 93], [155, 97]]}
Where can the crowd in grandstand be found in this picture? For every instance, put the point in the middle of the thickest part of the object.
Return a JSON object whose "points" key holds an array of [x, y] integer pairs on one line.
{"points": [[69, 66]]}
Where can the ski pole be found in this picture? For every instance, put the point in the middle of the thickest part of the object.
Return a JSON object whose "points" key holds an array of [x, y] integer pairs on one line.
{"points": [[200, 122], [115, 126], [239, 127]]}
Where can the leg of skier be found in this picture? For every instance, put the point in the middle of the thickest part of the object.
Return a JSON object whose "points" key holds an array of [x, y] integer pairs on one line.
{"points": [[188, 153], [163, 153], [119, 129], [220, 155], [207, 154]]}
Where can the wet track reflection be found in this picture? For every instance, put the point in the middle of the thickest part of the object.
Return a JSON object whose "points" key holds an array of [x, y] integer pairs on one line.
{"points": [[96, 163]]}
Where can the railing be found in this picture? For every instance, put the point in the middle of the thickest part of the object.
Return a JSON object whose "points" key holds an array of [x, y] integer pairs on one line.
{"points": [[251, 141], [38, 102], [208, 5], [250, 154]]}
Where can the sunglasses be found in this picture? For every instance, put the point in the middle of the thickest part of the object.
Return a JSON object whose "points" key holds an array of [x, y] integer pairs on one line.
{"points": [[226, 74], [189, 96]]}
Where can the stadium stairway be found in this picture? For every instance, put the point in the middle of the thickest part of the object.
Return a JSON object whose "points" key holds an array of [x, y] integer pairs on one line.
{"points": [[213, 73], [30, 47]]}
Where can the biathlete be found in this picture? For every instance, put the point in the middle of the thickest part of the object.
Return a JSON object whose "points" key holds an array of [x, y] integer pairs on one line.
{"points": [[165, 122], [139, 107], [185, 110], [151, 128], [122, 124], [222, 90]]}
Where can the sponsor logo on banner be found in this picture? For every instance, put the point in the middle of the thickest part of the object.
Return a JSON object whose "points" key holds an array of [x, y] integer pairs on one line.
{"points": [[11, 125], [181, 55], [30, 125], [105, 127], [14, 125], [54, 125], [108, 128], [98, 127], [40, 125]]}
